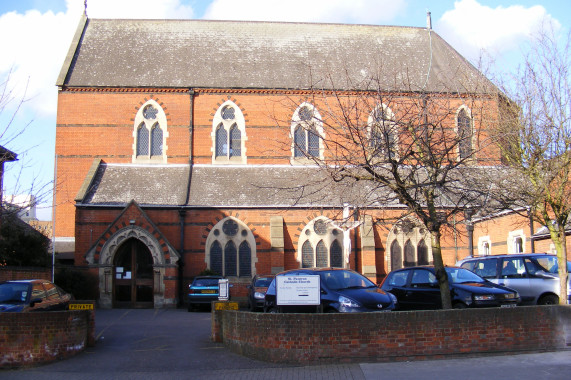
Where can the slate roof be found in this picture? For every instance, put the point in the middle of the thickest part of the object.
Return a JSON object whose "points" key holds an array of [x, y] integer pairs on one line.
{"points": [[263, 55], [217, 186], [255, 186]]}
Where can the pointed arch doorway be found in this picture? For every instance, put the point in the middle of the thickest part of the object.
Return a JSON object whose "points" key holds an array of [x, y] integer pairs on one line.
{"points": [[133, 275]]}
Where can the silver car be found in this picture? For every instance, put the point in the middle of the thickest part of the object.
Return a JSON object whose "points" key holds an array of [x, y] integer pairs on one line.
{"points": [[533, 275]]}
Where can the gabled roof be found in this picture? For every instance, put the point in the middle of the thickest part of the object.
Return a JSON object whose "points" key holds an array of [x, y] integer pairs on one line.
{"points": [[264, 55]]}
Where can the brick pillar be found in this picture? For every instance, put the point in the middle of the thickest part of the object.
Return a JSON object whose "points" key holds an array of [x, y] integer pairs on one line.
{"points": [[368, 259], [277, 241]]}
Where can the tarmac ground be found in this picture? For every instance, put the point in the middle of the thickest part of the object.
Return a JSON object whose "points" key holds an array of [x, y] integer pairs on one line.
{"points": [[175, 344]]}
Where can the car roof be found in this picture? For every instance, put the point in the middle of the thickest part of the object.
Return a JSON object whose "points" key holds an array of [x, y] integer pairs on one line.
{"points": [[314, 270], [24, 281], [507, 255]]}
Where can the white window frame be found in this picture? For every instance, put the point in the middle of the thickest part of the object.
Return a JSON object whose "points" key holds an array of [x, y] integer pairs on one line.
{"points": [[237, 239], [328, 238], [161, 120], [481, 249], [389, 118], [316, 122], [240, 122], [512, 236]]}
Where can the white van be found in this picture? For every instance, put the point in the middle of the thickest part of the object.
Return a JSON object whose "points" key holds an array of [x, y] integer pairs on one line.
{"points": [[533, 275]]}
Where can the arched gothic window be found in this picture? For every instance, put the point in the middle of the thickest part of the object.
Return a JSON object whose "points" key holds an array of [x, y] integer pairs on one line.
{"points": [[410, 234], [231, 249], [465, 134], [229, 135], [383, 133], [150, 134], [307, 132], [320, 245]]}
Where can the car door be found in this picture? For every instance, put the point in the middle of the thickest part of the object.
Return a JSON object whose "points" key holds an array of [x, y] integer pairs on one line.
{"points": [[424, 292], [396, 283], [488, 269], [514, 275]]}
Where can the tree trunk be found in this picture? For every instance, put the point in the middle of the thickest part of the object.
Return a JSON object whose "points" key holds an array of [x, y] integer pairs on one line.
{"points": [[440, 271], [559, 241]]}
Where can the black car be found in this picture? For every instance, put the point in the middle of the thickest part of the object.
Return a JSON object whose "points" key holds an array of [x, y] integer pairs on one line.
{"points": [[32, 295], [203, 290], [342, 290], [257, 291], [416, 288]]}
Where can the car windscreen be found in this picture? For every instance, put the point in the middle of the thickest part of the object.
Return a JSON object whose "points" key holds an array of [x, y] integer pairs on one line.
{"points": [[205, 282], [342, 279], [461, 275], [13, 293], [263, 282], [548, 264]]}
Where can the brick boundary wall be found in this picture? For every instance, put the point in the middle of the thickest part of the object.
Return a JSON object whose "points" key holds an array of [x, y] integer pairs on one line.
{"points": [[24, 273], [392, 336], [28, 339]]}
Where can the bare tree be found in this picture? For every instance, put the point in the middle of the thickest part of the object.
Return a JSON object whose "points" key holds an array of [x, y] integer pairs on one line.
{"points": [[535, 139], [12, 137], [413, 148]]}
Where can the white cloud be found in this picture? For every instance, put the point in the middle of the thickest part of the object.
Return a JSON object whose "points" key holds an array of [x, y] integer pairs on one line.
{"points": [[357, 11], [472, 27], [39, 42]]}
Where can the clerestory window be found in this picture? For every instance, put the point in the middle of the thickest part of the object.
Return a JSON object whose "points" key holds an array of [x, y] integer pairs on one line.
{"points": [[383, 134], [229, 135], [464, 133], [307, 133], [150, 134]]}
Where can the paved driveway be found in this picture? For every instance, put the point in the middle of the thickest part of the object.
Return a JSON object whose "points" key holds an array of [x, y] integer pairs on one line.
{"points": [[175, 344]]}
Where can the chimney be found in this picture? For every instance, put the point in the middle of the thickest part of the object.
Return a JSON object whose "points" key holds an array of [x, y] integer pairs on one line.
{"points": [[428, 21]]}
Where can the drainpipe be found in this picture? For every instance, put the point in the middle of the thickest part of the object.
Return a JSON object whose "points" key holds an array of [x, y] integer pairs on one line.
{"points": [[531, 230], [182, 210]]}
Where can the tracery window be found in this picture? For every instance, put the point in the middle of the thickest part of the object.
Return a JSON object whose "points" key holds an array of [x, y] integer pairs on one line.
{"points": [[320, 245], [150, 134], [231, 249], [383, 133], [307, 132], [229, 135], [409, 244]]}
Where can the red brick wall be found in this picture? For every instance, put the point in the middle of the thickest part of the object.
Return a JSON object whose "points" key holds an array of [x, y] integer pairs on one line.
{"points": [[34, 338], [24, 273], [391, 336]]}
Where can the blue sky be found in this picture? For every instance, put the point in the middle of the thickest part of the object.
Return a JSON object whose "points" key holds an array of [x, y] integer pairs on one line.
{"points": [[40, 32]]}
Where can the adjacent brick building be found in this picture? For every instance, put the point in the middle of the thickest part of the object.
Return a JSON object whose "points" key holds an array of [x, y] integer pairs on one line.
{"points": [[178, 146]]}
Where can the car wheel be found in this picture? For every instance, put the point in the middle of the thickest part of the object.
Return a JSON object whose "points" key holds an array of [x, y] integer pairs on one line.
{"points": [[251, 307], [190, 307], [549, 299], [459, 305]]}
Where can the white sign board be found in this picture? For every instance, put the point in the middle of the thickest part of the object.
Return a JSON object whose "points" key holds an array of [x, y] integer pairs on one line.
{"points": [[298, 290], [223, 289]]}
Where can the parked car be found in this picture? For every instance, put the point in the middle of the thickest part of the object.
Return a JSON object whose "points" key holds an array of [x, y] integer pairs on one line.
{"points": [[202, 291], [533, 275], [257, 291], [416, 288], [342, 290], [32, 295]]}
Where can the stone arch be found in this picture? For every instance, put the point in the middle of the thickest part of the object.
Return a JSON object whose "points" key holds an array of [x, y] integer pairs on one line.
{"points": [[104, 261]]}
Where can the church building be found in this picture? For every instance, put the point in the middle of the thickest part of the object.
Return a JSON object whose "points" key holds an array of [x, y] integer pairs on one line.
{"points": [[182, 146]]}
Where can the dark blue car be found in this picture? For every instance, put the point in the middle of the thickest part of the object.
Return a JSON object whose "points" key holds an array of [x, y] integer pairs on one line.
{"points": [[416, 288], [32, 295], [342, 290]]}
